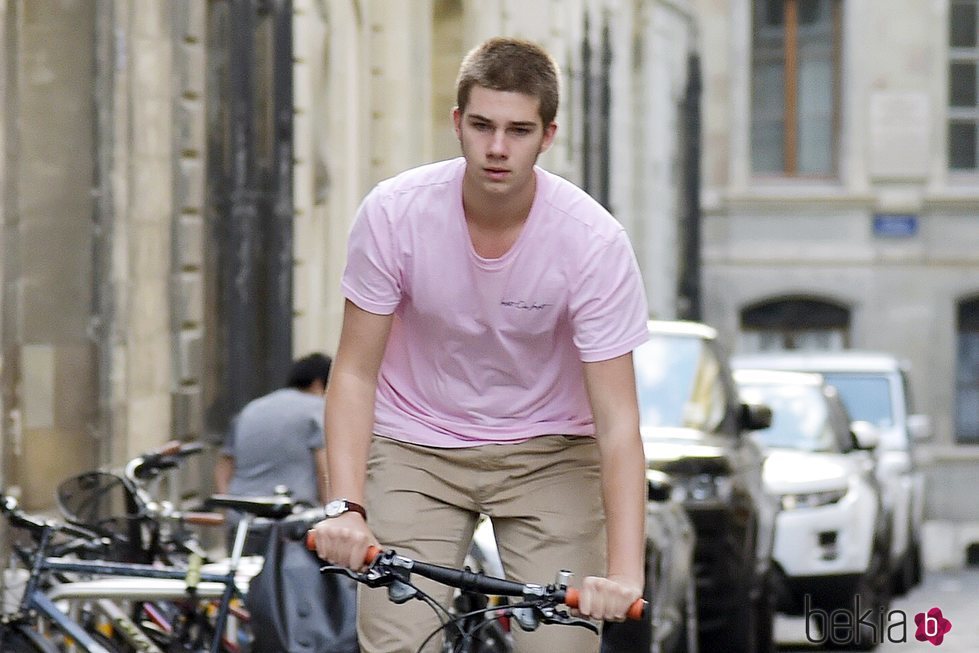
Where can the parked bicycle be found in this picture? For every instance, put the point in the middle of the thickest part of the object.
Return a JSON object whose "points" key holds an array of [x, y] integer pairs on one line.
{"points": [[124, 507], [39, 624], [121, 506]]}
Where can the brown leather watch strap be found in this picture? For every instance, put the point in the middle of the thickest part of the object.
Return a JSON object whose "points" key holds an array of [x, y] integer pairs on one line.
{"points": [[338, 507], [357, 508]]}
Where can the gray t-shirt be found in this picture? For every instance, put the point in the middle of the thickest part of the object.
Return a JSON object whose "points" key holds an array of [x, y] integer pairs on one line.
{"points": [[273, 440]]}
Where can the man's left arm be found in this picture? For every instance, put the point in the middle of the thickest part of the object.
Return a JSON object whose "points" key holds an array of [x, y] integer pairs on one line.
{"points": [[611, 388], [319, 456]]}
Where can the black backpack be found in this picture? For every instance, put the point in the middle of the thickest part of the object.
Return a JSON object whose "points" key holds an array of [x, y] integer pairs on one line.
{"points": [[294, 608]]}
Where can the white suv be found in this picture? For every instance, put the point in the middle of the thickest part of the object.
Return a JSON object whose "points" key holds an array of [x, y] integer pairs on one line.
{"points": [[874, 387], [832, 535]]}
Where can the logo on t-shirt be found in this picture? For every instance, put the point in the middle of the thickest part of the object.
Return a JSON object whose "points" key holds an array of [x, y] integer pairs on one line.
{"points": [[524, 306]]}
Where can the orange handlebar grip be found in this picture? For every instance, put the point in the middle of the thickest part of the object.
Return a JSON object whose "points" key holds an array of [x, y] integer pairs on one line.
{"points": [[571, 597], [636, 610], [372, 551], [635, 613]]}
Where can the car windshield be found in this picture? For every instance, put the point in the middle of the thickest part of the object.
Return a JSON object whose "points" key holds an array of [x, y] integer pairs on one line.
{"points": [[800, 419], [867, 397], [679, 383]]}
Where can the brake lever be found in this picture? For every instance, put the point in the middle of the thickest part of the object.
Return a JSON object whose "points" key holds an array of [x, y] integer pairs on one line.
{"points": [[551, 615], [399, 590], [371, 577], [526, 617], [343, 571]]}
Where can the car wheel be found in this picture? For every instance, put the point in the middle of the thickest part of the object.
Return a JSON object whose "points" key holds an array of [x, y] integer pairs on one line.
{"points": [[918, 569], [741, 631], [909, 573], [750, 625], [765, 606], [687, 642], [874, 590], [683, 637], [636, 636]]}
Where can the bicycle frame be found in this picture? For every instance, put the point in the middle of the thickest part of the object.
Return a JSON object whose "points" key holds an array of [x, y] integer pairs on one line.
{"points": [[104, 593], [106, 607], [37, 600]]}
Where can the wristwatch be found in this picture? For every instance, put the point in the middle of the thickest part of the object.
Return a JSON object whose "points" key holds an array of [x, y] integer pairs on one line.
{"points": [[337, 507]]}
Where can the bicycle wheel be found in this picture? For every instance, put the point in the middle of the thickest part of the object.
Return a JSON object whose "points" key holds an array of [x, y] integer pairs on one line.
{"points": [[109, 643], [17, 638], [189, 626], [61, 642], [486, 634]]}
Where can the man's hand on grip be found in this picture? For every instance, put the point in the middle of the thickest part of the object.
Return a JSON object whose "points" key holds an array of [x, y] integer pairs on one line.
{"points": [[607, 599], [343, 540]]}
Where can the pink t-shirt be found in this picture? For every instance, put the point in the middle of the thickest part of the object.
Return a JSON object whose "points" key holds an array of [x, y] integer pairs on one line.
{"points": [[490, 350]]}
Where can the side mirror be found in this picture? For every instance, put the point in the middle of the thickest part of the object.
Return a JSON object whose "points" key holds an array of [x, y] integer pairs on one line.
{"points": [[659, 486], [865, 435], [919, 427], [755, 417]]}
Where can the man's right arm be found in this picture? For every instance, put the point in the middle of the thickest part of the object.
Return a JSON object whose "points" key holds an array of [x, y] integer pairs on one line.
{"points": [[349, 422], [224, 469]]}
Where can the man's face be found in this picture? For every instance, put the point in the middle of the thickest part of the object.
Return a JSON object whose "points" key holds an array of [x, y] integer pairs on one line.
{"points": [[502, 135]]}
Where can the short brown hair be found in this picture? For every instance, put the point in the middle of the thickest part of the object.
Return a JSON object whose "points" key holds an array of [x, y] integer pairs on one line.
{"points": [[509, 64]]}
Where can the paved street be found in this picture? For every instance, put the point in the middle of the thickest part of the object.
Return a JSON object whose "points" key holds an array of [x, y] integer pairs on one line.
{"points": [[956, 594]]}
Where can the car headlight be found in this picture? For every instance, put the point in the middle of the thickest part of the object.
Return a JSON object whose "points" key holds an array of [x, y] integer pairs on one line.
{"points": [[702, 487], [811, 499]]}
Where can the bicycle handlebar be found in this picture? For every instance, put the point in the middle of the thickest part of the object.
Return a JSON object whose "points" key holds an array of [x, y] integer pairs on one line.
{"points": [[178, 448], [478, 582], [164, 457], [202, 518], [10, 507]]}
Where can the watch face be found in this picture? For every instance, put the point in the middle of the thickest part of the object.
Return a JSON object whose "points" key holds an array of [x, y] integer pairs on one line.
{"points": [[336, 508]]}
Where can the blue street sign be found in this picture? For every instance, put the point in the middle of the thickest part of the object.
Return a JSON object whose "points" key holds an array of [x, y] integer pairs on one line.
{"points": [[895, 225]]}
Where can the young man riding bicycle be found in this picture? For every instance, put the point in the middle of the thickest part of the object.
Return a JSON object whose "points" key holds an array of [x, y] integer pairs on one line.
{"points": [[485, 366]]}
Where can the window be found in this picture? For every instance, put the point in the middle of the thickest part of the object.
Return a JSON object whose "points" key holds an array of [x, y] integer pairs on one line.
{"points": [[963, 104], [679, 383], [800, 416], [795, 323], [795, 70], [967, 374], [867, 396]]}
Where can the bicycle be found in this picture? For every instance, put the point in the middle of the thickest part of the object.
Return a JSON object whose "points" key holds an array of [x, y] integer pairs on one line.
{"points": [[533, 606], [123, 507], [37, 613], [120, 506]]}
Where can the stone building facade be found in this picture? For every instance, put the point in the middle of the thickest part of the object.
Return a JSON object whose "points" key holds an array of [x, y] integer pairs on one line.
{"points": [[841, 195], [178, 178], [90, 193]]}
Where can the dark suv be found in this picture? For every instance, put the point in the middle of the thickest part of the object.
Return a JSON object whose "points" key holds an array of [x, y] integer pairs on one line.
{"points": [[695, 429]]}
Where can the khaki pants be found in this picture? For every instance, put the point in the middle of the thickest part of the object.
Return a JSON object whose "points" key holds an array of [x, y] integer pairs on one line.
{"points": [[544, 497]]}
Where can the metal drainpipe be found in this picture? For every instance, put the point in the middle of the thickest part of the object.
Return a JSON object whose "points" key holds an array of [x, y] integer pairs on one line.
{"points": [[279, 311], [239, 277], [103, 321], [689, 291], [604, 131], [588, 110]]}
